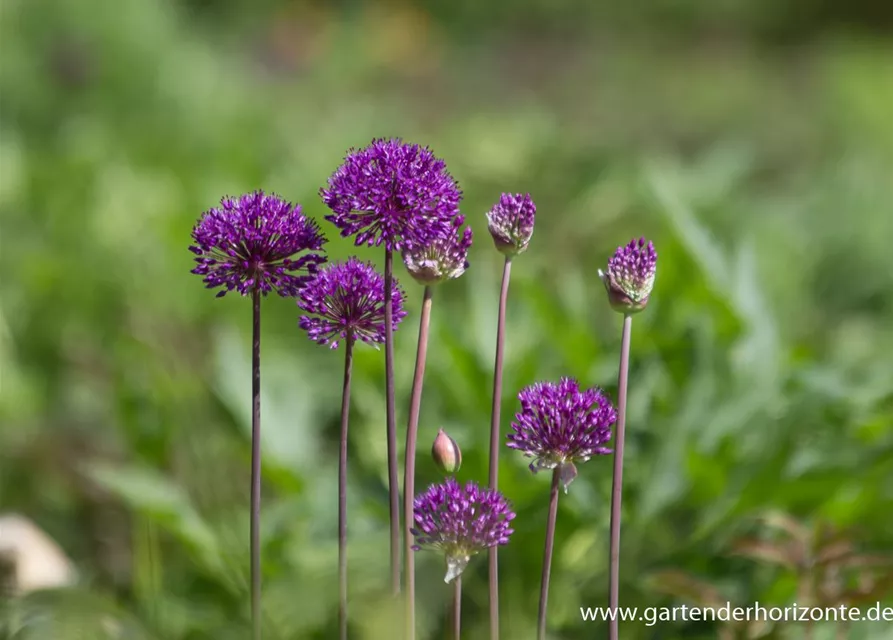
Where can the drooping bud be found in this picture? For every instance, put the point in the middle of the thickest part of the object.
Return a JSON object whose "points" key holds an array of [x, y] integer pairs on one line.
{"points": [[446, 453], [630, 276], [510, 222], [442, 258]]}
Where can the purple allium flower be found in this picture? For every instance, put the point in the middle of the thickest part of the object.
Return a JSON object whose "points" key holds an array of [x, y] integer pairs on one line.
{"points": [[442, 258], [510, 222], [630, 276], [347, 298], [251, 243], [460, 521], [393, 193], [560, 424]]}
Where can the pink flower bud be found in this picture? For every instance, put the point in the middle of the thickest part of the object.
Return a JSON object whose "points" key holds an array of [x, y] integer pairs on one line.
{"points": [[446, 453]]}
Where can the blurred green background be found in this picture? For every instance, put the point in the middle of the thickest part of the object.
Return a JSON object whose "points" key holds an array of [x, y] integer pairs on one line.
{"points": [[751, 139]]}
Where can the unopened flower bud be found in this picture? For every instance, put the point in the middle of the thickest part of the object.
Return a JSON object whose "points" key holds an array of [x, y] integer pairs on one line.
{"points": [[629, 278], [446, 453]]}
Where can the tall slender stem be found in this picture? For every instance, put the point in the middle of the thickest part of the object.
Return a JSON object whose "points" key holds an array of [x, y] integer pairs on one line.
{"points": [[393, 487], [547, 554], [494, 440], [412, 429], [342, 491], [617, 489], [457, 608], [255, 469]]}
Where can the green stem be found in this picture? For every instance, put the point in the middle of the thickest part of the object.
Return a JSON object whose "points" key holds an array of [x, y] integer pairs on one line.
{"points": [[547, 553], [457, 608], [255, 469], [393, 486], [494, 440], [412, 428], [342, 490], [617, 489]]}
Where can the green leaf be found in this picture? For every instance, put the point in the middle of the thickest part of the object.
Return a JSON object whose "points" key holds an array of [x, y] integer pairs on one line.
{"points": [[157, 497]]}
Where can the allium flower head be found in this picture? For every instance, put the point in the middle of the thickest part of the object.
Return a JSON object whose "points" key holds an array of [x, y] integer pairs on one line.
{"points": [[256, 242], [393, 193], [442, 258], [460, 521], [347, 298], [630, 276], [510, 222], [560, 424]]}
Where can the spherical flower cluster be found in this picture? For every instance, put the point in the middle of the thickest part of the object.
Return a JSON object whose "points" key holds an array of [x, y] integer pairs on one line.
{"points": [[442, 258], [630, 276], [560, 424], [252, 243], [347, 299], [510, 222], [393, 193], [460, 521]]}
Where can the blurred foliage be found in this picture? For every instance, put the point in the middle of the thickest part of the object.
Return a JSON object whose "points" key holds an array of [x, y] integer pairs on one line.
{"points": [[762, 376]]}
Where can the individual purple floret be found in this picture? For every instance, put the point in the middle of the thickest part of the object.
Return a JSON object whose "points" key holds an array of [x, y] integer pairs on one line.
{"points": [[393, 193], [347, 297], [460, 521], [510, 222], [560, 424], [442, 258], [252, 243], [630, 276]]}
